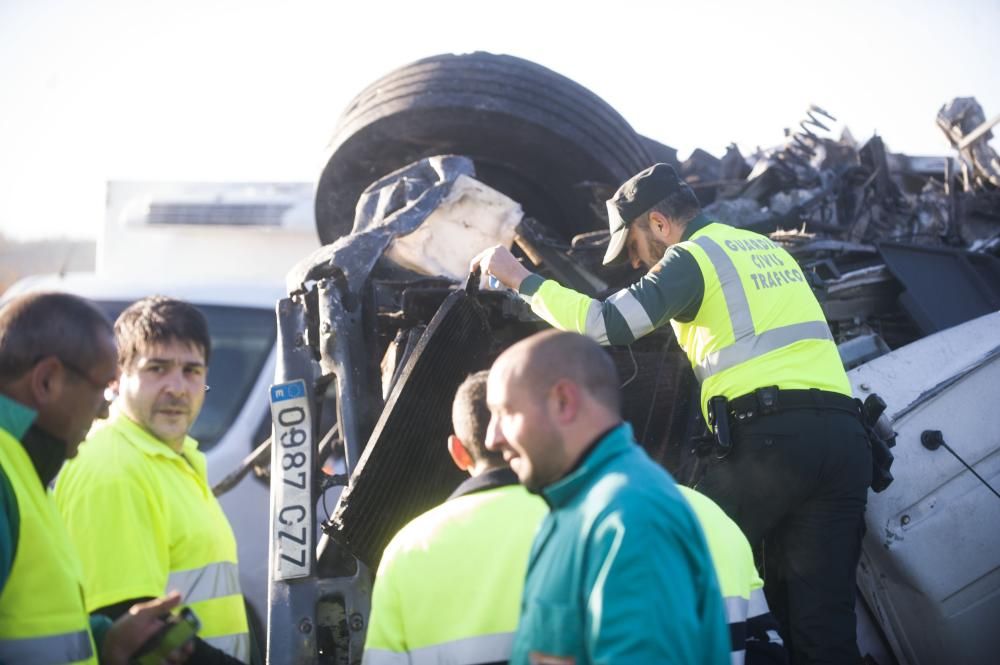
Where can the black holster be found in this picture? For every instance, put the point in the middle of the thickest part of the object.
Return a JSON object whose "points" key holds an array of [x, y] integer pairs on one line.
{"points": [[718, 415], [881, 438]]}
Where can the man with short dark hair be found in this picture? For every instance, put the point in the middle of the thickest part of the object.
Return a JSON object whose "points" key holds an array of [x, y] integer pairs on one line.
{"points": [[449, 583], [137, 500], [795, 463], [619, 571], [57, 356]]}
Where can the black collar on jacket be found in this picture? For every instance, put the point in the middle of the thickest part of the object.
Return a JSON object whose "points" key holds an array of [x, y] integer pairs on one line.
{"points": [[47, 453], [487, 480]]}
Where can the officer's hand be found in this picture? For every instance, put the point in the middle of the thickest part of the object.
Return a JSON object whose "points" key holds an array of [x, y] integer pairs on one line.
{"points": [[499, 262], [127, 635]]}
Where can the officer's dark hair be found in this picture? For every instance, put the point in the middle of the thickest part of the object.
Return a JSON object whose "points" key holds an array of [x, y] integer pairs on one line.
{"points": [[38, 325], [470, 417], [679, 207], [159, 320]]}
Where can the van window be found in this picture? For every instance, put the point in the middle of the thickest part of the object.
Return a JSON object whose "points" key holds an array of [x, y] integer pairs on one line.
{"points": [[242, 338]]}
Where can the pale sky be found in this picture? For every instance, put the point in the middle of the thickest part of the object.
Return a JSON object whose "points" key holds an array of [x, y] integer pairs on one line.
{"points": [[92, 90]]}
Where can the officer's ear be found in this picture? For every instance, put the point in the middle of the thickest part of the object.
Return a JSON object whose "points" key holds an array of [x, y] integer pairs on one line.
{"points": [[659, 224]]}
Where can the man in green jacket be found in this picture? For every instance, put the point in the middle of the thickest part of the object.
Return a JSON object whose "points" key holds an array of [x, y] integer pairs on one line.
{"points": [[619, 571]]}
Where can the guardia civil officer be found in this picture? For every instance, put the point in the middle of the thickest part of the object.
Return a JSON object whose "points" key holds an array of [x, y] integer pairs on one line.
{"points": [[795, 464]]}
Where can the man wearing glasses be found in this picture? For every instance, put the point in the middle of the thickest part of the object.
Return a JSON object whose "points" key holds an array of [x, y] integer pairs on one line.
{"points": [[57, 356], [137, 499]]}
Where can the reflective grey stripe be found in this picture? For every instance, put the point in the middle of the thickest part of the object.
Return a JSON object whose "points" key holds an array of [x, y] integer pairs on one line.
{"points": [[481, 649], [757, 345], [736, 613], [212, 581], [48, 650], [747, 345], [237, 646], [594, 326], [732, 288], [384, 657], [736, 609], [633, 312], [758, 604]]}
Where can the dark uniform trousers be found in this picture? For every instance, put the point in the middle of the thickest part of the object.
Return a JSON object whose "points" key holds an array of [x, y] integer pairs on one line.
{"points": [[797, 483]]}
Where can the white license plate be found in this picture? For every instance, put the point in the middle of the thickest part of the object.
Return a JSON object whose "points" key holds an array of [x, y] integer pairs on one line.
{"points": [[291, 481]]}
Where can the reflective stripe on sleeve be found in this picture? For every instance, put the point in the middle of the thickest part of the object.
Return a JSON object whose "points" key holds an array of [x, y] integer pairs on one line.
{"points": [[384, 657], [758, 604], [48, 650], [481, 649], [737, 657], [747, 345], [736, 608], [594, 326], [633, 312], [736, 617], [215, 580]]}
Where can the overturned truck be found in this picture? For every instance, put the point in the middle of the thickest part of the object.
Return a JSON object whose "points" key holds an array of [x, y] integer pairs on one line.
{"points": [[452, 154]]}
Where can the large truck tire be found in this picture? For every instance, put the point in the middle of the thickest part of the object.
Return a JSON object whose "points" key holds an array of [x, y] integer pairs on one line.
{"points": [[535, 135]]}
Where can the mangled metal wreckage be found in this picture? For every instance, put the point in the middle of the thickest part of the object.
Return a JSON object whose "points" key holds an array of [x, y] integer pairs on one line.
{"points": [[452, 154]]}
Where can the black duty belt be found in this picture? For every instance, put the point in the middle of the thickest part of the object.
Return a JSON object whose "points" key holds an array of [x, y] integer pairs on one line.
{"points": [[723, 414], [766, 401]]}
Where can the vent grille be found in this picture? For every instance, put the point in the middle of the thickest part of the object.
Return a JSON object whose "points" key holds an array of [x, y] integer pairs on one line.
{"points": [[218, 214]]}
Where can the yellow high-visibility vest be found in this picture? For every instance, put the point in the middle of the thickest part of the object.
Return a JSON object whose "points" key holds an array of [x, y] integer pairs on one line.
{"points": [[741, 586], [145, 523], [448, 588], [43, 618], [759, 323]]}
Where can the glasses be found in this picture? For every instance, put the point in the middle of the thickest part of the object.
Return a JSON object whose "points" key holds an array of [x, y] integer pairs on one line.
{"points": [[107, 392], [82, 374]]}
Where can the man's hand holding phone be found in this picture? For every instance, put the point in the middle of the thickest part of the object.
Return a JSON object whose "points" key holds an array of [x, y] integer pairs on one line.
{"points": [[149, 634]]}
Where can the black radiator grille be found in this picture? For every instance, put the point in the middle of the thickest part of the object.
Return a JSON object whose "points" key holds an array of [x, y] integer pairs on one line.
{"points": [[405, 468]]}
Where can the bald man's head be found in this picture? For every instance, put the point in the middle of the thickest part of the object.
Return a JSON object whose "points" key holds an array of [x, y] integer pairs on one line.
{"points": [[542, 359], [550, 396]]}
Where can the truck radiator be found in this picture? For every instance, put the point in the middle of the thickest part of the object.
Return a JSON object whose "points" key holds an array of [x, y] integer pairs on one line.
{"points": [[405, 468]]}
